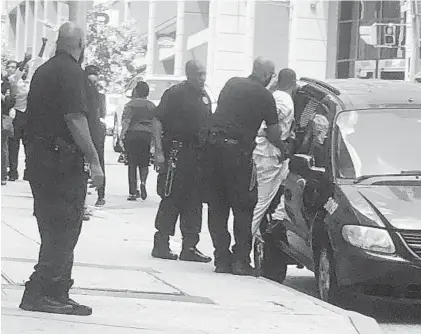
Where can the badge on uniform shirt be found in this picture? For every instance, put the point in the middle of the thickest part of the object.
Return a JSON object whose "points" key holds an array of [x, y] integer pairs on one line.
{"points": [[205, 100]]}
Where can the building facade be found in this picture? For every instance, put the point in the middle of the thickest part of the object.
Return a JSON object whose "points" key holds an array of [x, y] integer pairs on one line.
{"points": [[319, 39]]}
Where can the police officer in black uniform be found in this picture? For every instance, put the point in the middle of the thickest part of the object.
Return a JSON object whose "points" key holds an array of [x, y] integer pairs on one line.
{"points": [[59, 144], [183, 112], [242, 106]]}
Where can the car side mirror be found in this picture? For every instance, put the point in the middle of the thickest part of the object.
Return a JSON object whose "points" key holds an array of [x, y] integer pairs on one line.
{"points": [[129, 94]]}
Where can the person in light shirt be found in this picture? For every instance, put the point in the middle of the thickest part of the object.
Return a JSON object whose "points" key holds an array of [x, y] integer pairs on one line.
{"points": [[19, 87], [271, 162]]}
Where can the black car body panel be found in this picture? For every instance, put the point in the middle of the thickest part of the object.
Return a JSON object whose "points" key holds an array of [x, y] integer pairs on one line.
{"points": [[392, 204]]}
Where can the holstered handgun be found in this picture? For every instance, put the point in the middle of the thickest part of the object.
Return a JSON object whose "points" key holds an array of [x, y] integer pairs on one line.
{"points": [[172, 166]]}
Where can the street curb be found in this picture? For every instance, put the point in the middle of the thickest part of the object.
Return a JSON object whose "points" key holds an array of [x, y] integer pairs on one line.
{"points": [[362, 323]]}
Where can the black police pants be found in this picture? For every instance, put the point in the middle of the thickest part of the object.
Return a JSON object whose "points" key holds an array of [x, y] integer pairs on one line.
{"points": [[232, 185], [4, 158], [19, 124], [184, 202], [59, 207]]}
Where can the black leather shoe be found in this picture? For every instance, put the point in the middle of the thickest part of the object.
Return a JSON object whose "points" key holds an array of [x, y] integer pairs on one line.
{"points": [[100, 202], [78, 309], [13, 176], [223, 269], [194, 255], [165, 254], [132, 198], [243, 269], [44, 304]]}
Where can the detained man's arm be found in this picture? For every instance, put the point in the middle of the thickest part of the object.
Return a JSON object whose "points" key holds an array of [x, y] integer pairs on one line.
{"points": [[79, 128], [274, 134]]}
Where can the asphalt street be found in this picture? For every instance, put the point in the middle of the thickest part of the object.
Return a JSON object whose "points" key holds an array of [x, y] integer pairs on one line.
{"points": [[394, 317]]}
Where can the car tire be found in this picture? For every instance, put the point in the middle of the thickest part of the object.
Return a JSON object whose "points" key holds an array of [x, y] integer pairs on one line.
{"points": [[270, 261], [326, 274], [116, 136]]}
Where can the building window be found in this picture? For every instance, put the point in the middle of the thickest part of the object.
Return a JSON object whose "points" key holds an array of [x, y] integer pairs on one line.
{"points": [[352, 48]]}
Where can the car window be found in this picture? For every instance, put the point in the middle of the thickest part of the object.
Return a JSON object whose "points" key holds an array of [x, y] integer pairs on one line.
{"points": [[313, 118], [377, 142]]}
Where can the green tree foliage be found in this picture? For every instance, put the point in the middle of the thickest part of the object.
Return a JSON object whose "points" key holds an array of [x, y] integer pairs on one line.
{"points": [[114, 50], [5, 53]]}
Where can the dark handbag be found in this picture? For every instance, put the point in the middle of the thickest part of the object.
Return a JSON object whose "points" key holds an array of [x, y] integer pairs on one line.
{"points": [[7, 126]]}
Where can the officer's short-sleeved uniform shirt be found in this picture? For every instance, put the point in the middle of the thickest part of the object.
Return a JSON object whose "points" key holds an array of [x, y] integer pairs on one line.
{"points": [[58, 88], [243, 105], [183, 111]]}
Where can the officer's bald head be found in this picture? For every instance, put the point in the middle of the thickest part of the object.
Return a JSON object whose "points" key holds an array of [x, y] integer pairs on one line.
{"points": [[196, 73], [264, 70], [71, 39]]}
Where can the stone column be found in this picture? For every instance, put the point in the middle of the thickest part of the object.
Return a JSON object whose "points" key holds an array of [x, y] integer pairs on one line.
{"points": [[58, 17], [150, 54], [26, 26], [35, 37], [126, 10], [212, 43], [308, 42], [78, 11], [18, 41], [180, 42], [45, 18], [227, 36], [249, 40]]}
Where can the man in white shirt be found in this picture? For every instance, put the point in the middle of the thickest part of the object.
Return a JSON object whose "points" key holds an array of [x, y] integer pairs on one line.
{"points": [[20, 82], [271, 163]]}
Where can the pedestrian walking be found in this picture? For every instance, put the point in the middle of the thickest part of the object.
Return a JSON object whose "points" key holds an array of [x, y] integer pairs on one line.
{"points": [[7, 130], [96, 112], [19, 86], [183, 112], [59, 144], [136, 135], [243, 104], [271, 162]]}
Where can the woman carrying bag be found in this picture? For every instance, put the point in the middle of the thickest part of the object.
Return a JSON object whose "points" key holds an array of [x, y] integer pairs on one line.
{"points": [[136, 136]]}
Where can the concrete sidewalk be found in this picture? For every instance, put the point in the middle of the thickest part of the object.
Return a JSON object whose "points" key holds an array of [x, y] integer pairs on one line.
{"points": [[132, 292]]}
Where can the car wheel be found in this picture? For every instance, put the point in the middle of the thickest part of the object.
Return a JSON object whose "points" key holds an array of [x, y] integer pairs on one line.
{"points": [[116, 137], [326, 275]]}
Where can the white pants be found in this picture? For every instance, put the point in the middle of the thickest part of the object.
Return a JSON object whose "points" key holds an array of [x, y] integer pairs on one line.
{"points": [[270, 175]]}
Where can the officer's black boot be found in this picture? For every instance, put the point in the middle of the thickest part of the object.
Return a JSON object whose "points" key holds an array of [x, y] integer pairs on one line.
{"points": [[189, 251], [161, 247], [61, 294], [192, 254], [242, 268], [35, 300]]}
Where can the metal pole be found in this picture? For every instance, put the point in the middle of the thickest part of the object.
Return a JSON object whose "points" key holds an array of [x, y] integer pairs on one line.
{"points": [[150, 55], [179, 39]]}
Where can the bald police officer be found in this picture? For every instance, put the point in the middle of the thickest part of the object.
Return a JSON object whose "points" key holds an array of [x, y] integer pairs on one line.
{"points": [[184, 111], [59, 143], [243, 104]]}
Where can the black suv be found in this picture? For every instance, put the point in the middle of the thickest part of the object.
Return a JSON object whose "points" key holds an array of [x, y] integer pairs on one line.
{"points": [[353, 197]]}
